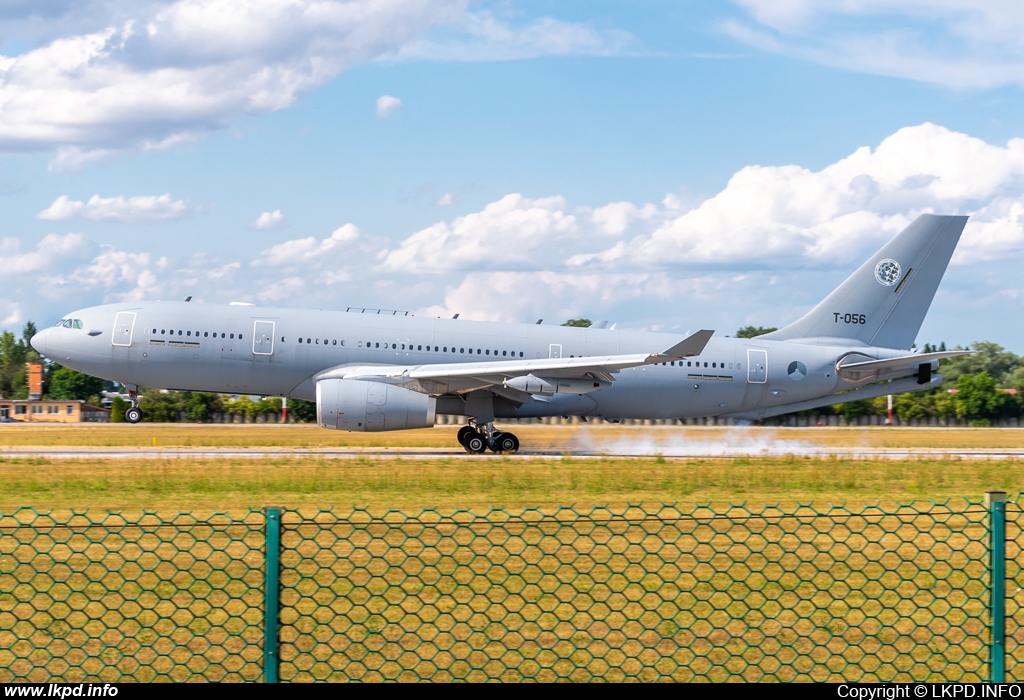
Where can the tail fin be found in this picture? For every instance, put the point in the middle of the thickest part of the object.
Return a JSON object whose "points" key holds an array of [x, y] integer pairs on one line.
{"points": [[884, 302]]}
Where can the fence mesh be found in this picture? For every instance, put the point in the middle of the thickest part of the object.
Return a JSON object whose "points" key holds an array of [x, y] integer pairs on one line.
{"points": [[717, 594], [1014, 595], [113, 598]]}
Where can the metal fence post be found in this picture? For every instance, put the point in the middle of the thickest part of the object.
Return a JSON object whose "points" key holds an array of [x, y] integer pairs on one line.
{"points": [[271, 591], [996, 502]]}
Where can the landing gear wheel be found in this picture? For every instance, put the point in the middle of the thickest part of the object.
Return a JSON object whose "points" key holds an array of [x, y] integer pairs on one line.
{"points": [[133, 415], [475, 443], [464, 431], [505, 443]]}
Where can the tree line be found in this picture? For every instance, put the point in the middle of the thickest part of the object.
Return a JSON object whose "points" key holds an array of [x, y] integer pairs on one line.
{"points": [[982, 388]]}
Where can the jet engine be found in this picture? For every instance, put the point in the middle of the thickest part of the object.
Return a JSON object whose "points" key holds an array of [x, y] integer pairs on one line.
{"points": [[360, 406]]}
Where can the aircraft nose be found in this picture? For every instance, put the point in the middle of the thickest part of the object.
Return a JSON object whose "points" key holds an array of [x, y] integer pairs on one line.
{"points": [[38, 341]]}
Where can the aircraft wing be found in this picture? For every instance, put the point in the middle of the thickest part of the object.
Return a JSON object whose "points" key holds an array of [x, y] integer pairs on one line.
{"points": [[461, 377], [895, 367]]}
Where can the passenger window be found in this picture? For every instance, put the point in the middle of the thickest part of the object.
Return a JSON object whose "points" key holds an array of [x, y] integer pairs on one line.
{"points": [[343, 342], [179, 332], [232, 335], [317, 341], [377, 345], [504, 353], [462, 350], [325, 341], [162, 332], [222, 335], [189, 333], [420, 347], [300, 340], [359, 344], [309, 341], [239, 336], [713, 364], [520, 354], [446, 348], [705, 364], [282, 338], [206, 334], [334, 342], [488, 352]]}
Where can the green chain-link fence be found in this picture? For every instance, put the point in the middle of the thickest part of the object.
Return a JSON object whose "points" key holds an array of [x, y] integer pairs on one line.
{"points": [[900, 593]]}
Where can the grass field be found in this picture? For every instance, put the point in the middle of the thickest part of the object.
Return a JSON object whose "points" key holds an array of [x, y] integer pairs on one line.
{"points": [[235, 484], [887, 597]]}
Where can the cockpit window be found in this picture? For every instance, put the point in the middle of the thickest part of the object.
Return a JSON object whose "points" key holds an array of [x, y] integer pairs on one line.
{"points": [[69, 323], [77, 323]]}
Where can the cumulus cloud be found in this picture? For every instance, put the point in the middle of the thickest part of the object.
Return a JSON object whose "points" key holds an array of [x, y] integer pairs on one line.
{"points": [[164, 71], [772, 242], [302, 251], [118, 209], [269, 219], [509, 233], [956, 43], [103, 77], [386, 104]]}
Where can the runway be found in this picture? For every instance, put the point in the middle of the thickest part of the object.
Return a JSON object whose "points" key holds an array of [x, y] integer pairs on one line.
{"points": [[693, 451]]}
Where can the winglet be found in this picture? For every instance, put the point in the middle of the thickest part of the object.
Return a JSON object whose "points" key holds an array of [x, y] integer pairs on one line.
{"points": [[694, 345]]}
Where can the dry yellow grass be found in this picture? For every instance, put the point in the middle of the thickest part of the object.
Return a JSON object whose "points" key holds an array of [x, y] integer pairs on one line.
{"points": [[538, 436], [237, 484]]}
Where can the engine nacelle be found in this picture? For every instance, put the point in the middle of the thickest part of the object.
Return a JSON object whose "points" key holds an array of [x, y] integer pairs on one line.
{"points": [[351, 404], [549, 386]]}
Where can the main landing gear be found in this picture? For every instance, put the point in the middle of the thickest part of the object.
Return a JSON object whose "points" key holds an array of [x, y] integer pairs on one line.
{"points": [[478, 441], [133, 414]]}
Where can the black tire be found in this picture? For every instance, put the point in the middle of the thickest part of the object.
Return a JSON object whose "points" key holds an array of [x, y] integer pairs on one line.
{"points": [[475, 443], [506, 443], [133, 415], [463, 432]]}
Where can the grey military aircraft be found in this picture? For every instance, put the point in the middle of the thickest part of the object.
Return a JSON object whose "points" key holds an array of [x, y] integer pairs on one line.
{"points": [[374, 371]]}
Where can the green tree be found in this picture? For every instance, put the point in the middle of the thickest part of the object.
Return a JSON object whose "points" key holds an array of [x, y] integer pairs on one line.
{"points": [[579, 322], [978, 398], [161, 407], [117, 408], [65, 384], [302, 410], [990, 358], [200, 405], [752, 332]]}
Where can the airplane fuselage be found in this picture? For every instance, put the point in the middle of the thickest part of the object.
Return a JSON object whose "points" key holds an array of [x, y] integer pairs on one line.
{"points": [[278, 352]]}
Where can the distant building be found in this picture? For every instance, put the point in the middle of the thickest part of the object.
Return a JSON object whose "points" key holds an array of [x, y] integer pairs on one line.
{"points": [[50, 411], [35, 381]]}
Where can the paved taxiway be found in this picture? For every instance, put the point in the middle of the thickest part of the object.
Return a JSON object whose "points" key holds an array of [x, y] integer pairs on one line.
{"points": [[695, 451]]}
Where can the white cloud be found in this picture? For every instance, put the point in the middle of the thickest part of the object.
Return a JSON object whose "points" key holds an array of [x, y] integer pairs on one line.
{"points": [[118, 209], [445, 200], [13, 317], [956, 43], [485, 36], [103, 77], [153, 72], [269, 219], [303, 251], [507, 234], [42, 257], [386, 104]]}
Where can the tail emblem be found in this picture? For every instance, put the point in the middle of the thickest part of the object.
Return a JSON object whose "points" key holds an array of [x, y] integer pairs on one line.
{"points": [[887, 272]]}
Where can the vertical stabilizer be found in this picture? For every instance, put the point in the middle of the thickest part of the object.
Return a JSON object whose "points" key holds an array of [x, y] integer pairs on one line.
{"points": [[884, 302]]}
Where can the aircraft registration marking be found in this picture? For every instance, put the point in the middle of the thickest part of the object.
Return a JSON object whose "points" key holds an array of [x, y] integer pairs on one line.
{"points": [[856, 319]]}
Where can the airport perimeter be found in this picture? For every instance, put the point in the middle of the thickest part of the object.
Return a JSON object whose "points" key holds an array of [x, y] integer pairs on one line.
{"points": [[924, 591]]}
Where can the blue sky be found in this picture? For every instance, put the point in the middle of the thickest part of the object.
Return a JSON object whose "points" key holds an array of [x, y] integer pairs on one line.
{"points": [[663, 165]]}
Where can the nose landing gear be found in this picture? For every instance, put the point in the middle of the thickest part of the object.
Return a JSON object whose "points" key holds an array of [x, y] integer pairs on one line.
{"points": [[487, 438], [133, 414]]}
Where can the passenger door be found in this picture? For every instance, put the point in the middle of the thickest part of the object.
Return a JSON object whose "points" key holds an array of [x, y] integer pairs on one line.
{"points": [[124, 325], [263, 338]]}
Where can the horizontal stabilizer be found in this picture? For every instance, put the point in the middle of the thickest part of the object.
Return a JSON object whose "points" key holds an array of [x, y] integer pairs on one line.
{"points": [[694, 345], [896, 367]]}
